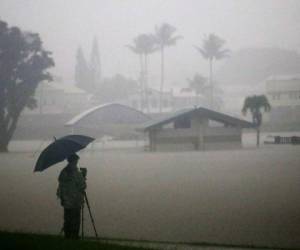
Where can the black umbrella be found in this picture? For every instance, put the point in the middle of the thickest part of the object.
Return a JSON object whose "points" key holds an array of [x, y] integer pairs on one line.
{"points": [[60, 149]]}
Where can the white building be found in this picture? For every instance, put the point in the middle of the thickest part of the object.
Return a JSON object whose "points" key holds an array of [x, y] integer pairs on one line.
{"points": [[186, 97], [57, 98], [150, 103], [283, 93], [172, 100]]}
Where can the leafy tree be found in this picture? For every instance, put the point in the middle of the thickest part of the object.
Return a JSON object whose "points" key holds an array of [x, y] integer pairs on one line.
{"points": [[23, 65], [82, 76], [144, 45], [197, 84], [212, 49], [115, 88], [255, 104], [164, 37], [88, 75]]}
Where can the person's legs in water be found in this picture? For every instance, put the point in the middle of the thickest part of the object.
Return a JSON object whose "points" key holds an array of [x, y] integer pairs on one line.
{"points": [[68, 223], [75, 223]]}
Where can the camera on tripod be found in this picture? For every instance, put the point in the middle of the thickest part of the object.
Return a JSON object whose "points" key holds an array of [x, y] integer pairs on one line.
{"points": [[84, 172]]}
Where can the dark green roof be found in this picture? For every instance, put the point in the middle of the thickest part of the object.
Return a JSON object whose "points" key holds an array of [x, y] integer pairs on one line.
{"points": [[210, 114]]}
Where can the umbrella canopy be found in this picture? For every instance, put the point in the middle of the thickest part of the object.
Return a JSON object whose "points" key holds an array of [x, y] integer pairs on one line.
{"points": [[60, 149]]}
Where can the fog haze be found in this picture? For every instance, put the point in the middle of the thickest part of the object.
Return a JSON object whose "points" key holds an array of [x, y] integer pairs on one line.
{"points": [[231, 184], [65, 25]]}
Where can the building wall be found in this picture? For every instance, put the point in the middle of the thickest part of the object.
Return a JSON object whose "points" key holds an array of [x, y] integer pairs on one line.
{"points": [[139, 102], [223, 145], [283, 92], [198, 137], [284, 97], [171, 101], [53, 100]]}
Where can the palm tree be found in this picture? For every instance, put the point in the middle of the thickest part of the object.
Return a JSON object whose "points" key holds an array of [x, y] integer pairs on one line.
{"points": [[197, 84], [255, 104], [212, 50], [144, 45], [164, 36]]}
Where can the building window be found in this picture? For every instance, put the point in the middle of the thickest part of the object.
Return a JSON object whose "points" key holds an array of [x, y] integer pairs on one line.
{"points": [[276, 96], [294, 95], [182, 122]]}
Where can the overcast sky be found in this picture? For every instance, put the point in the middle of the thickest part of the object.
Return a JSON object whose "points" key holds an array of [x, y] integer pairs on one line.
{"points": [[66, 24]]}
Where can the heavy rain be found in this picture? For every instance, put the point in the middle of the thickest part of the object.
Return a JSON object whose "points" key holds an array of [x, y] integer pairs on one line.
{"points": [[185, 116]]}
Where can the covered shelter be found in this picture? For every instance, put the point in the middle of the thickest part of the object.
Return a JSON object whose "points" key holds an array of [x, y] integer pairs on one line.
{"points": [[111, 119], [195, 129]]}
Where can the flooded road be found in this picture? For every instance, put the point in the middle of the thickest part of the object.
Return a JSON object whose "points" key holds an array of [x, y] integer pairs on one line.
{"points": [[242, 197]]}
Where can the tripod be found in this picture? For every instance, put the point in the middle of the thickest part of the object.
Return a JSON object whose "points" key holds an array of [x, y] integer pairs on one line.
{"points": [[91, 216]]}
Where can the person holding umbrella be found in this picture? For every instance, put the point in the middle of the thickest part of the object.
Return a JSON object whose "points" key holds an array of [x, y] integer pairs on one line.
{"points": [[72, 184], [71, 191]]}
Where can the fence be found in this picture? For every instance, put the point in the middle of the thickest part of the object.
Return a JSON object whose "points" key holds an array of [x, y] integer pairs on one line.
{"points": [[287, 140]]}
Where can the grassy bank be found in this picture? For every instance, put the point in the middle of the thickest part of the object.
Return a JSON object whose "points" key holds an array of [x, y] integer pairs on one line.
{"points": [[14, 241]]}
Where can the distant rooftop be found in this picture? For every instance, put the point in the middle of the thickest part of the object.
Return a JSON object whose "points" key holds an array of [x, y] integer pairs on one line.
{"points": [[184, 92], [67, 88], [284, 77]]}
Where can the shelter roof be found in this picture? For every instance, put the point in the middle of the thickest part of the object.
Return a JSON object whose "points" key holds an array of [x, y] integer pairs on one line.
{"points": [[203, 112], [109, 113]]}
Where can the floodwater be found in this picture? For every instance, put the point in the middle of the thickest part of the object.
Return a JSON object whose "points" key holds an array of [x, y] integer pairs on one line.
{"points": [[247, 197]]}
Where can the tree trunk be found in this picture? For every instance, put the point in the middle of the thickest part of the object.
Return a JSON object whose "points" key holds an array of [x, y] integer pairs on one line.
{"points": [[3, 132], [211, 104], [162, 78], [142, 82], [7, 130], [146, 83], [3, 146], [3, 140], [257, 136]]}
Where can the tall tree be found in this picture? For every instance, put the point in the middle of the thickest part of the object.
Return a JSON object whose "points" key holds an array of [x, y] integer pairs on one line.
{"points": [[82, 71], [255, 104], [164, 37], [197, 84], [115, 88], [23, 65], [212, 49], [137, 49], [95, 65], [144, 45]]}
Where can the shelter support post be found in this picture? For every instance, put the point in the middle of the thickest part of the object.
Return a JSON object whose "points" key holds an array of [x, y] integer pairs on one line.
{"points": [[198, 125], [153, 141]]}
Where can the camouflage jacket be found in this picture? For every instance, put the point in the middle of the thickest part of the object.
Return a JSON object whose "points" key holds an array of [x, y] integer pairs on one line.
{"points": [[71, 188]]}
